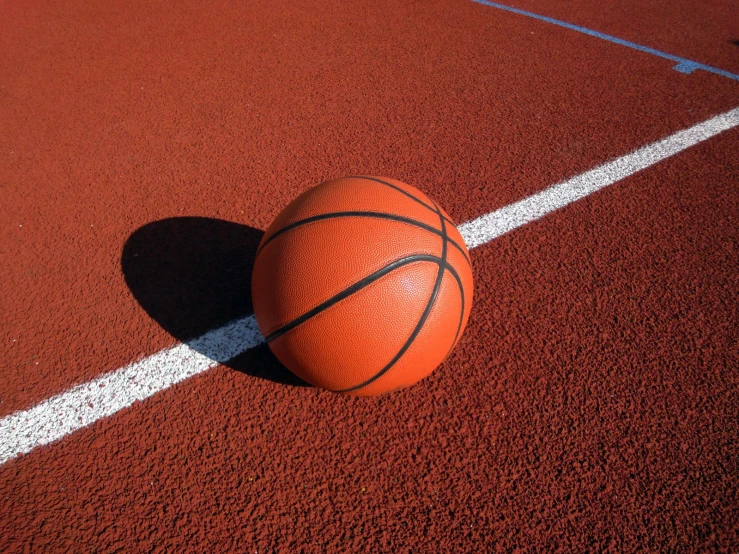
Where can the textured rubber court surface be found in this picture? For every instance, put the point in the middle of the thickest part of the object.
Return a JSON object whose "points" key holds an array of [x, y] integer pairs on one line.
{"points": [[593, 401]]}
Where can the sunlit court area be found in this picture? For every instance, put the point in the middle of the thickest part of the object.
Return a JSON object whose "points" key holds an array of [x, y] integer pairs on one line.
{"points": [[415, 276]]}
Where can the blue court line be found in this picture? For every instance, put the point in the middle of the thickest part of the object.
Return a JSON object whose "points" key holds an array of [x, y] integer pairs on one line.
{"points": [[683, 65]]}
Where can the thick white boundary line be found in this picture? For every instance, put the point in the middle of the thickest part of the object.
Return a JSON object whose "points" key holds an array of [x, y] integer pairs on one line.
{"points": [[490, 226], [84, 404]]}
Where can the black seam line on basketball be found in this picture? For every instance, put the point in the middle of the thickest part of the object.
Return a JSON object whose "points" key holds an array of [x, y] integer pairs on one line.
{"points": [[379, 215], [408, 194], [424, 315], [461, 314], [459, 283], [351, 289], [444, 237]]}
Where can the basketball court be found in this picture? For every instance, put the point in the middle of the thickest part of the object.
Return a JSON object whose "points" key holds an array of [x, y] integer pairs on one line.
{"points": [[588, 154]]}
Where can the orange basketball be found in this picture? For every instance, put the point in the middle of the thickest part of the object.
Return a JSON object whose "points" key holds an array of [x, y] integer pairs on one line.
{"points": [[362, 285]]}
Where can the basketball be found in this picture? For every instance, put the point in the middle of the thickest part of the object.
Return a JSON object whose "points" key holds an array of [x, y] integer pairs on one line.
{"points": [[362, 285]]}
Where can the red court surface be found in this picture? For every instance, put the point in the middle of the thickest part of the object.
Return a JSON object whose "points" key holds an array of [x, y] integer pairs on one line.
{"points": [[593, 401]]}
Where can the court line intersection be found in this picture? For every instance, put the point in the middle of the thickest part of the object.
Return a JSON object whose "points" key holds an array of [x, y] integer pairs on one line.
{"points": [[683, 65]]}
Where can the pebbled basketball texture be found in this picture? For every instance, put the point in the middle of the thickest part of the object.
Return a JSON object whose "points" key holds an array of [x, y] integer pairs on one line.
{"points": [[362, 285]]}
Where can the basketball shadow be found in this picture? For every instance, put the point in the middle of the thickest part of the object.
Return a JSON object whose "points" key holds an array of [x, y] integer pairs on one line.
{"points": [[192, 275]]}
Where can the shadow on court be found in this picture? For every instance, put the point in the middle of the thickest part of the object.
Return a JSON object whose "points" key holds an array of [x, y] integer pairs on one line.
{"points": [[193, 275]]}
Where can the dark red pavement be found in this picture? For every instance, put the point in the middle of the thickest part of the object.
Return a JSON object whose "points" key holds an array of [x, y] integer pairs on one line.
{"points": [[591, 405], [110, 129], [666, 26], [592, 402]]}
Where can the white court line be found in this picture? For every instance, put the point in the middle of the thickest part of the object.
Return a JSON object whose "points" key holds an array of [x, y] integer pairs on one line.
{"points": [[80, 406], [490, 226], [84, 404]]}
